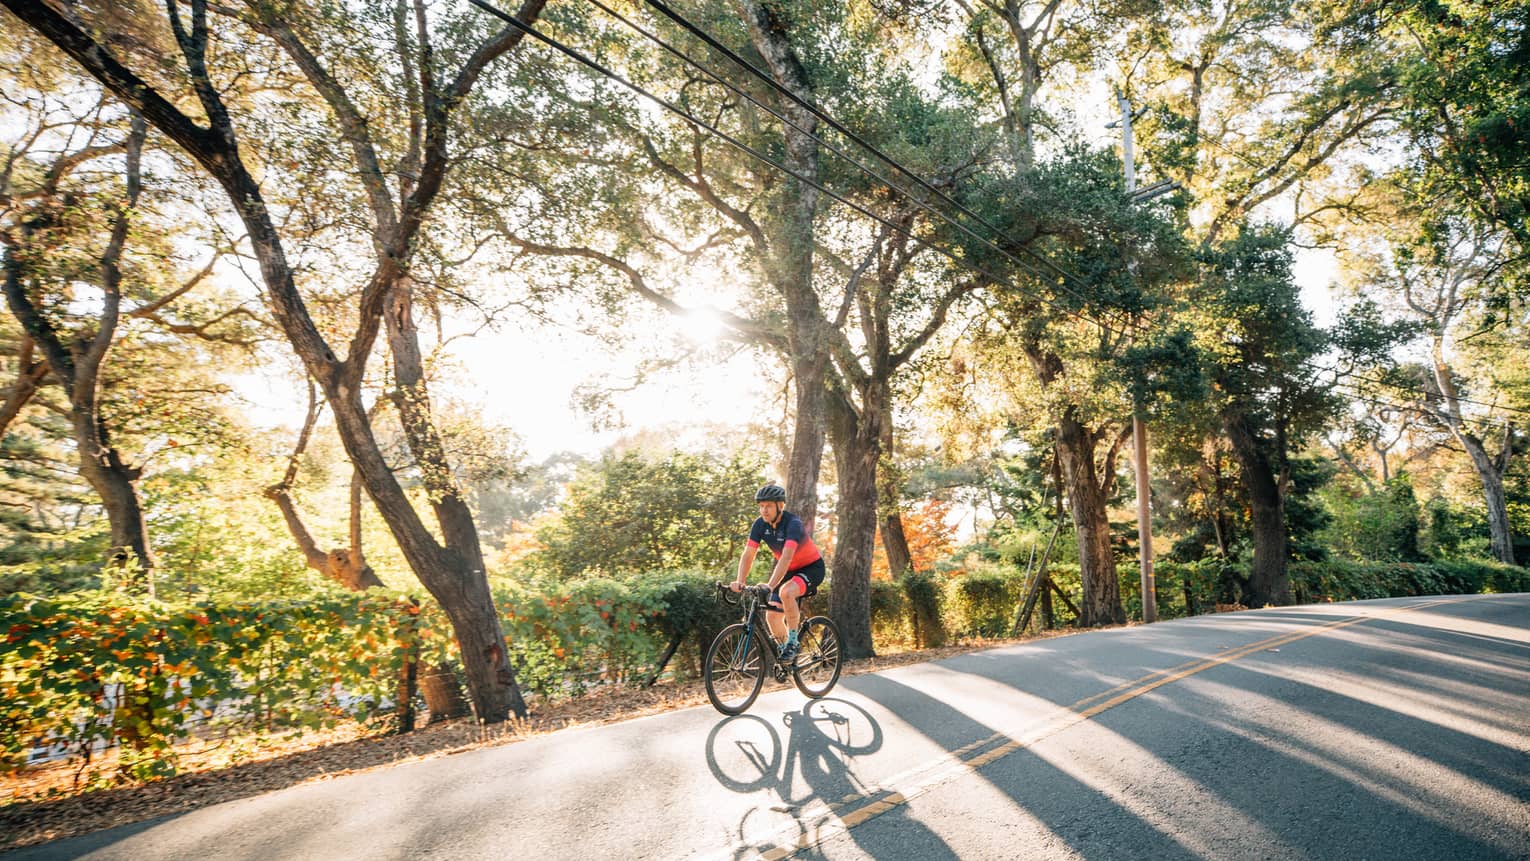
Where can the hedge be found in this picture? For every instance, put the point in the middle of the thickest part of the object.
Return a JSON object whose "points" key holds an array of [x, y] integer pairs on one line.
{"points": [[97, 669], [1340, 580]]}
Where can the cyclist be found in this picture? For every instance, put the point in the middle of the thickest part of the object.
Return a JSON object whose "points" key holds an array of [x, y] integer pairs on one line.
{"points": [[799, 568]]}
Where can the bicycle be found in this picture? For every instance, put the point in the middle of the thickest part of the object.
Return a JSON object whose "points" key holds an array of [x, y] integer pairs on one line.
{"points": [[741, 655]]}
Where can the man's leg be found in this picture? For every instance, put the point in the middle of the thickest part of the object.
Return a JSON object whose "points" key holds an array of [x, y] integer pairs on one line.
{"points": [[777, 626], [790, 591]]}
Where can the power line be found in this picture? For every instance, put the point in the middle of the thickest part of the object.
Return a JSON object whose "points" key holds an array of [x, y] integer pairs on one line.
{"points": [[1421, 393], [668, 12], [688, 59], [770, 81], [595, 65]]}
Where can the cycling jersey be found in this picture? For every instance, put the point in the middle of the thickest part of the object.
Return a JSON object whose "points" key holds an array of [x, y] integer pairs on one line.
{"points": [[788, 528]]}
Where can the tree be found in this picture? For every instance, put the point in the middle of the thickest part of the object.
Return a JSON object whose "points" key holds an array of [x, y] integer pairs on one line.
{"points": [[76, 357], [1464, 100], [1243, 145], [1058, 339], [414, 124], [844, 303], [1448, 280], [1257, 345], [635, 514]]}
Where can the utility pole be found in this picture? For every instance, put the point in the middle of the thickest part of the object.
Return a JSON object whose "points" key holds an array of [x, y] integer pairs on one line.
{"points": [[1139, 427]]}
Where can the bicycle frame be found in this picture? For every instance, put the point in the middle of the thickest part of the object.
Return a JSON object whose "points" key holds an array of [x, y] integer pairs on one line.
{"points": [[752, 599]]}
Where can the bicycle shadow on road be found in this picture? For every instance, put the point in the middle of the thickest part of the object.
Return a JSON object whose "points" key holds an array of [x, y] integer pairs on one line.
{"points": [[807, 779]]}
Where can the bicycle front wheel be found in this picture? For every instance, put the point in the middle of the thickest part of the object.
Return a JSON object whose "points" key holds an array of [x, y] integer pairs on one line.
{"points": [[818, 658], [734, 669]]}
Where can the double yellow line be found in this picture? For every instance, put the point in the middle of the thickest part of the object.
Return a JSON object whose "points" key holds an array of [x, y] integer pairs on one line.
{"points": [[916, 782]]}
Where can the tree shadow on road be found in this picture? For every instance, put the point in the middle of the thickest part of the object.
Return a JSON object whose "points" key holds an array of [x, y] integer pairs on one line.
{"points": [[1279, 776]]}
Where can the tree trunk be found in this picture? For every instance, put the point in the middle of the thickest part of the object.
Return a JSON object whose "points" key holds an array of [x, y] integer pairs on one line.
{"points": [[900, 560], [117, 485], [857, 450], [1490, 470], [806, 461], [789, 263], [442, 689], [1086, 493], [894, 541], [491, 679], [1269, 583], [1491, 476]]}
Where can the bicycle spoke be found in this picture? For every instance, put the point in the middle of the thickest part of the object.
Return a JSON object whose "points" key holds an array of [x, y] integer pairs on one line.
{"points": [[818, 664], [735, 670]]}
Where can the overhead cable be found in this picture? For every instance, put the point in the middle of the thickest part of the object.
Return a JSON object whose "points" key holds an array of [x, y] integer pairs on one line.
{"points": [[598, 67]]}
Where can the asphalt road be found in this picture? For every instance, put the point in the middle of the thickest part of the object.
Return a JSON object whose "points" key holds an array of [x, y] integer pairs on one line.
{"points": [[1394, 729]]}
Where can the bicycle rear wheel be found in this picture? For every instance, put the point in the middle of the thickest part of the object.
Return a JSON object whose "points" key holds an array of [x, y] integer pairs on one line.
{"points": [[735, 669], [817, 666]]}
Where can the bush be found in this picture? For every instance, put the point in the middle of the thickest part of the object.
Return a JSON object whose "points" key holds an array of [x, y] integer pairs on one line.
{"points": [[923, 597], [1337, 580], [1184, 588], [889, 614], [98, 669], [982, 603]]}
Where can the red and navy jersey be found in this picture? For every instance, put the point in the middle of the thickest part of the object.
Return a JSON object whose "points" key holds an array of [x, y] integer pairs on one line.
{"points": [[788, 528]]}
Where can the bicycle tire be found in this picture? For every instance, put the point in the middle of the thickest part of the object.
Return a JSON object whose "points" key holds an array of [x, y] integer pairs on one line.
{"points": [[735, 668], [819, 658]]}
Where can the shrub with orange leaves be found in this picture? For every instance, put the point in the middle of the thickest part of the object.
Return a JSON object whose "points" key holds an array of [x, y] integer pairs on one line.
{"points": [[930, 538]]}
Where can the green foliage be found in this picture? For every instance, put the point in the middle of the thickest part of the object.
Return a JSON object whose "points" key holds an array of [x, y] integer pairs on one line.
{"points": [[1337, 580], [629, 514], [1453, 531], [890, 617], [923, 599], [1464, 93], [1256, 341], [1306, 516], [564, 636], [103, 668], [982, 603], [1373, 526], [907, 612], [1183, 588], [567, 635]]}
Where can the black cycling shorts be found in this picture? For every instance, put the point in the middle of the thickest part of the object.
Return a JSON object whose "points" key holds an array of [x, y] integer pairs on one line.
{"points": [[811, 575]]}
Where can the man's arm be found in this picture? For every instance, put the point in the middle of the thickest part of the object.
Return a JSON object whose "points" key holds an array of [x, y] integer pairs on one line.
{"points": [[745, 562]]}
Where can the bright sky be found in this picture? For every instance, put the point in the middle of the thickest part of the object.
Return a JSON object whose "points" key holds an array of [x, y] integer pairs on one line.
{"points": [[529, 382], [528, 379]]}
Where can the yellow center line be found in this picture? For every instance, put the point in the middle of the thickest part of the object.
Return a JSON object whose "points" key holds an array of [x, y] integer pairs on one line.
{"points": [[965, 759]]}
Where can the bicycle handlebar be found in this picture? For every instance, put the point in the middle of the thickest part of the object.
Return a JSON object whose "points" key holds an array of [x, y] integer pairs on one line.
{"points": [[759, 591]]}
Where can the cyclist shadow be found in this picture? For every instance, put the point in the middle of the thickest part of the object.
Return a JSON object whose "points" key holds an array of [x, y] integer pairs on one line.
{"points": [[809, 777]]}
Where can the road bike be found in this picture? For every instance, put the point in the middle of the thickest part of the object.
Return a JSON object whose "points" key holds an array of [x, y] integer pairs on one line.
{"points": [[742, 655]]}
